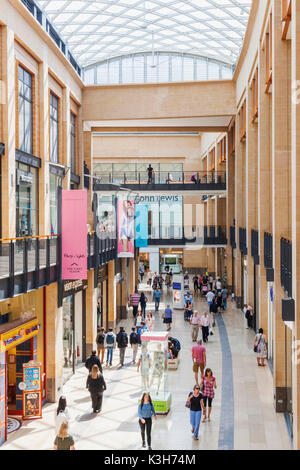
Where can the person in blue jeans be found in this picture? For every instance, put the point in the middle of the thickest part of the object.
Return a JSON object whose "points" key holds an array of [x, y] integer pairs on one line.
{"points": [[157, 296], [110, 344], [145, 413], [195, 401]]}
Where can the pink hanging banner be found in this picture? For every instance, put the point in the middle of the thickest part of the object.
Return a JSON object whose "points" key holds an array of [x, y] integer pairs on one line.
{"points": [[74, 234]]}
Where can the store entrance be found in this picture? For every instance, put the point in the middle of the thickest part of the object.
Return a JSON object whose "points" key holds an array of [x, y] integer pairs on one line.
{"points": [[15, 358]]}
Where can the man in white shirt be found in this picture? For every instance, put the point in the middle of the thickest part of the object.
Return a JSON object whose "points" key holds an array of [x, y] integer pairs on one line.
{"points": [[218, 285], [209, 297], [195, 323], [205, 324]]}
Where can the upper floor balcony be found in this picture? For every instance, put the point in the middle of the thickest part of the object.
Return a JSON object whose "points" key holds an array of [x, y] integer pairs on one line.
{"points": [[160, 182]]}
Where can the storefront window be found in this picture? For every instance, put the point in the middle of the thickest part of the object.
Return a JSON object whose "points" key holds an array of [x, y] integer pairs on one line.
{"points": [[55, 181], [106, 215], [54, 128], [68, 337], [26, 200], [73, 143], [25, 111]]}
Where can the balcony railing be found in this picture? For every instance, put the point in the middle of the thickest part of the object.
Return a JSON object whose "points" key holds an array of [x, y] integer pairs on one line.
{"points": [[162, 179], [172, 235], [28, 263]]}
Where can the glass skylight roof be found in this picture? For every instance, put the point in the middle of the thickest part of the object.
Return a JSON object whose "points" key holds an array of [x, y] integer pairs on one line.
{"points": [[96, 30]]}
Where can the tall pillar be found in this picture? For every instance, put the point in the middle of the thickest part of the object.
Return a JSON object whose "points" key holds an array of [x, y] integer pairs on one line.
{"points": [[8, 177], [54, 350], [44, 183], [88, 158], [281, 187], [66, 131], [112, 292], [296, 217], [91, 314], [264, 185], [230, 210]]}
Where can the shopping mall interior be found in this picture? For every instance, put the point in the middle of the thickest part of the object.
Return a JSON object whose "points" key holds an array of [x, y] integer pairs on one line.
{"points": [[175, 122]]}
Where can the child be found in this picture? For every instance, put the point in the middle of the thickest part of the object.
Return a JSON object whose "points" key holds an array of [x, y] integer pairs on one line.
{"points": [[138, 319]]}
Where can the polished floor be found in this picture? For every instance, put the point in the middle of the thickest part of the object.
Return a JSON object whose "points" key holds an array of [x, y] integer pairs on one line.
{"points": [[243, 415]]}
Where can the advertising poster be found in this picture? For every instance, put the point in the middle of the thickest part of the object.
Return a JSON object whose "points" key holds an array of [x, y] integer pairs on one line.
{"points": [[141, 226], [32, 405], [126, 232], [74, 234]]}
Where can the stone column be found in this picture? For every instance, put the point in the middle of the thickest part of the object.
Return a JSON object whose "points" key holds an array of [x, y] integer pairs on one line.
{"points": [[295, 26], [281, 187], [54, 344], [8, 178], [66, 130], [91, 314], [230, 210], [112, 306]]}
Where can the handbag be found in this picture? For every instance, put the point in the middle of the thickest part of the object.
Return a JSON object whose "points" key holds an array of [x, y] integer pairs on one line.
{"points": [[188, 403], [163, 316]]}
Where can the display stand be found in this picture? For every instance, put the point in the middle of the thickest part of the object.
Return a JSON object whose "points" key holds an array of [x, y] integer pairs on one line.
{"points": [[178, 291], [154, 370], [32, 390]]}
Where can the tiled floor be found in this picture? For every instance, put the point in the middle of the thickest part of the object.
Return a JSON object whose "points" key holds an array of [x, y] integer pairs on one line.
{"points": [[251, 423]]}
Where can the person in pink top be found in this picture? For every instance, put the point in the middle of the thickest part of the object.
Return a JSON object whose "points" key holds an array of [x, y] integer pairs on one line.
{"points": [[199, 359], [209, 384]]}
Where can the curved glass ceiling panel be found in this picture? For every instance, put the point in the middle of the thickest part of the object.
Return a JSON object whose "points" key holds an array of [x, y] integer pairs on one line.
{"points": [[96, 30]]}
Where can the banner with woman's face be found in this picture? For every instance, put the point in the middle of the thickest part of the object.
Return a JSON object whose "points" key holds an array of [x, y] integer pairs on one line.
{"points": [[126, 228]]}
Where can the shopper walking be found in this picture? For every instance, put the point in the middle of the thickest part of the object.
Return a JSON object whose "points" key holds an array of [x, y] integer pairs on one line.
{"points": [[205, 324], [210, 297], [224, 294], [62, 414], [93, 359], [199, 359], [138, 319], [260, 347], [149, 321], [122, 341], [196, 283], [134, 343], [168, 317], [157, 296], [96, 386], [100, 339], [110, 344], [141, 271], [195, 324], [208, 383], [149, 277], [213, 309], [145, 413], [195, 403], [143, 302], [63, 440], [135, 300]]}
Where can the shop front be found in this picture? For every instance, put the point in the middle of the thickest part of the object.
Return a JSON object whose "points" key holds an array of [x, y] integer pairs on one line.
{"points": [[73, 340], [18, 345]]}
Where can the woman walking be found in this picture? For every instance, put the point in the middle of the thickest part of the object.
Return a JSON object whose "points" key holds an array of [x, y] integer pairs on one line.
{"points": [[195, 402], [150, 321], [260, 348], [143, 302], [209, 384], [145, 412], [62, 414], [96, 385], [63, 440]]}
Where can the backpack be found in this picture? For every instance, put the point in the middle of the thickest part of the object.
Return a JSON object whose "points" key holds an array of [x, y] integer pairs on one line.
{"points": [[122, 343], [100, 338], [110, 339], [134, 338]]}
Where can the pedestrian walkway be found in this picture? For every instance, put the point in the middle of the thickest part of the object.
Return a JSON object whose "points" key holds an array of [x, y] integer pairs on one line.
{"points": [[243, 415]]}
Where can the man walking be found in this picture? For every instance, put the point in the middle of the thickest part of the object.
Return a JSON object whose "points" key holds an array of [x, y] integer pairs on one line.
{"points": [[122, 341], [110, 344], [100, 344], [210, 297], [135, 300], [134, 342], [195, 323], [224, 293], [93, 359], [157, 296], [199, 359], [205, 324]]}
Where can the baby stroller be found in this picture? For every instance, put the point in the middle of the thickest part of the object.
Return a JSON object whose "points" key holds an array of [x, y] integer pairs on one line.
{"points": [[187, 314], [204, 290]]}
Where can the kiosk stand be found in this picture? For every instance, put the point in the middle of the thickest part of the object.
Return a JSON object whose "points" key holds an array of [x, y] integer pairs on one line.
{"points": [[154, 369], [178, 291]]}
